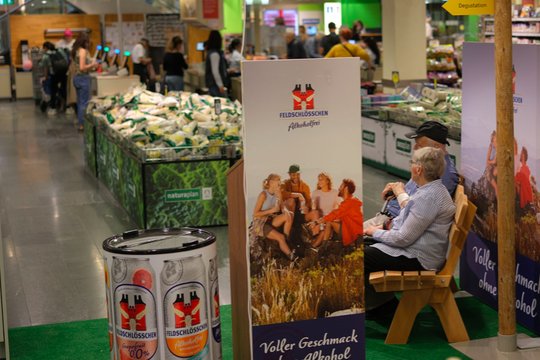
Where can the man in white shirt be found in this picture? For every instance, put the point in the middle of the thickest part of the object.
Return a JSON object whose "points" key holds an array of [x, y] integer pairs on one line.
{"points": [[141, 60], [67, 41]]}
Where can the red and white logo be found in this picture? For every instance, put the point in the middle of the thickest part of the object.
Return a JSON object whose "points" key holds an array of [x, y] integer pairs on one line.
{"points": [[187, 313], [133, 317], [306, 97]]}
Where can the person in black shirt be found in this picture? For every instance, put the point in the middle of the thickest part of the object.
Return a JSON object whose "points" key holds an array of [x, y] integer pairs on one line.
{"points": [[329, 40], [174, 65], [216, 70], [295, 48]]}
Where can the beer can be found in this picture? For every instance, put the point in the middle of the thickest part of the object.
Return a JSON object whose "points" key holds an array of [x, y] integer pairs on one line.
{"points": [[185, 308], [135, 308], [164, 294], [110, 320], [214, 308]]}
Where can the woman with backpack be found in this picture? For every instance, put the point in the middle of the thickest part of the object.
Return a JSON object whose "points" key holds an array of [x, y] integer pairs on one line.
{"points": [[82, 82], [54, 67]]}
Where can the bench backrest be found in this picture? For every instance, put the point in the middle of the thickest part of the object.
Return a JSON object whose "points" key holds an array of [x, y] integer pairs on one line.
{"points": [[465, 211]]}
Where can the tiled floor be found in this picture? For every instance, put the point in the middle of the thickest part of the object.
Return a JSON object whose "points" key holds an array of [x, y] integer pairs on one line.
{"points": [[54, 217]]}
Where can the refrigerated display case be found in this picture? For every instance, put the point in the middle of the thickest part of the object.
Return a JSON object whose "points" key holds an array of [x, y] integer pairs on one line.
{"points": [[162, 176]]}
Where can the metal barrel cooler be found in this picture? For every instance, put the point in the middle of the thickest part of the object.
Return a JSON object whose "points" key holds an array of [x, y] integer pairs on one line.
{"points": [[162, 295]]}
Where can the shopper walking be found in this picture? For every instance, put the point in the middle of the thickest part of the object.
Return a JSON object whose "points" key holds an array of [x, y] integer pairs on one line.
{"points": [[54, 65], [66, 84], [329, 40], [140, 59], [82, 82], [346, 49], [358, 30], [295, 48], [174, 65], [216, 76], [235, 48]]}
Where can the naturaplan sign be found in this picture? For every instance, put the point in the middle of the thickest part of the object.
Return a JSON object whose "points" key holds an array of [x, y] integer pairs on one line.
{"points": [[303, 164]]}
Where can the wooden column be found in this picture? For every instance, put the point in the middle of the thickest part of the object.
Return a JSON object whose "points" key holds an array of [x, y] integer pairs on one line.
{"points": [[505, 176], [240, 301], [404, 41]]}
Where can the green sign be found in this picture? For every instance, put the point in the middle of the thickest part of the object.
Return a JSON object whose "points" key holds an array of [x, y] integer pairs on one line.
{"points": [[6, 2], [190, 193], [183, 195], [368, 136], [403, 145]]}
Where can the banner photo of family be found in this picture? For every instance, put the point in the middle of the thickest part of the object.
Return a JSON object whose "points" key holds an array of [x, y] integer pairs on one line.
{"points": [[479, 167], [303, 170]]}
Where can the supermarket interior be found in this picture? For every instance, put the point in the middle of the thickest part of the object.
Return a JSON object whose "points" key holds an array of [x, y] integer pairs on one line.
{"points": [[191, 179]]}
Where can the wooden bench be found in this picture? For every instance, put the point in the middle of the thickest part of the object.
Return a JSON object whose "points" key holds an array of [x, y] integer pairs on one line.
{"points": [[421, 288]]}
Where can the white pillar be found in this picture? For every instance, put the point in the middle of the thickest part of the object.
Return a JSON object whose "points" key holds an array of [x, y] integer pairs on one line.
{"points": [[404, 40]]}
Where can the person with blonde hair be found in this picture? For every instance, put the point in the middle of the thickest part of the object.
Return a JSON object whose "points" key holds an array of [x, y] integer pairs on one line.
{"points": [[174, 65], [270, 214], [324, 200]]}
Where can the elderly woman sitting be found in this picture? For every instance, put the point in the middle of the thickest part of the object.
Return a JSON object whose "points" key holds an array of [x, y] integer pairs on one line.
{"points": [[418, 238]]}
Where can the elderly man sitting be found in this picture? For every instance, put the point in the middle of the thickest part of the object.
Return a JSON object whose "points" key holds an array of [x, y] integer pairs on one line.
{"points": [[418, 238]]}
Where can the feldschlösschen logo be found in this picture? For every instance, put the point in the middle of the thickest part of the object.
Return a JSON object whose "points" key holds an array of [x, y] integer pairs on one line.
{"points": [[300, 97], [304, 108]]}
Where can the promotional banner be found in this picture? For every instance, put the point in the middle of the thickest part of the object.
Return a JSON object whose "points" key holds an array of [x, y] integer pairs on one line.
{"points": [[303, 169], [478, 270]]}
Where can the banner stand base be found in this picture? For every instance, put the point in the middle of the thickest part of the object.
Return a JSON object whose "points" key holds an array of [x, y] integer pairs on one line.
{"points": [[528, 343], [488, 348], [506, 343]]}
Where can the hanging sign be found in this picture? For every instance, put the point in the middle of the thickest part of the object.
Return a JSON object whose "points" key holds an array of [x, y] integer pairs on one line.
{"points": [[210, 9], [470, 7]]}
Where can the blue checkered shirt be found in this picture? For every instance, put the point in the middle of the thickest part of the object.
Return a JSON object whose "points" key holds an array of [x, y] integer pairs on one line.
{"points": [[421, 228]]}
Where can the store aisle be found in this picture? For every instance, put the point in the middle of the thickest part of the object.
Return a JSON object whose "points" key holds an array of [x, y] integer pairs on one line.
{"points": [[54, 217]]}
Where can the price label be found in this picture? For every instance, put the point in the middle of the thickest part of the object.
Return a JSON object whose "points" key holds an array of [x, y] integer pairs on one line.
{"points": [[395, 77]]}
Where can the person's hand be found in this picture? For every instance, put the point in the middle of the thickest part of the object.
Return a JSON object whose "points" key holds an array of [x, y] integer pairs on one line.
{"points": [[222, 90], [397, 188], [387, 188], [371, 230]]}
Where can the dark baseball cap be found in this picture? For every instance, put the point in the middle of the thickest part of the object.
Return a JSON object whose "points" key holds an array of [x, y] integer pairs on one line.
{"points": [[294, 169], [433, 130]]}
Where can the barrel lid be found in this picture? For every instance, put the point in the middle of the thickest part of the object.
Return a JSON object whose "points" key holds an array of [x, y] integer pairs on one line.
{"points": [[158, 241]]}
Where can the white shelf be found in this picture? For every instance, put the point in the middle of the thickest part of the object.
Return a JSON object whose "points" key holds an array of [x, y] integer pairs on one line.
{"points": [[517, 19], [529, 35]]}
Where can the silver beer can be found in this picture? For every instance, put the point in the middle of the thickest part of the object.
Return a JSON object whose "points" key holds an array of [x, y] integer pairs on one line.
{"points": [[214, 308], [134, 308], [184, 294]]}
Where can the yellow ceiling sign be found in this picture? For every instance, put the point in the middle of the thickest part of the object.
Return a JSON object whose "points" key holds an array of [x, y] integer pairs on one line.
{"points": [[470, 7]]}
